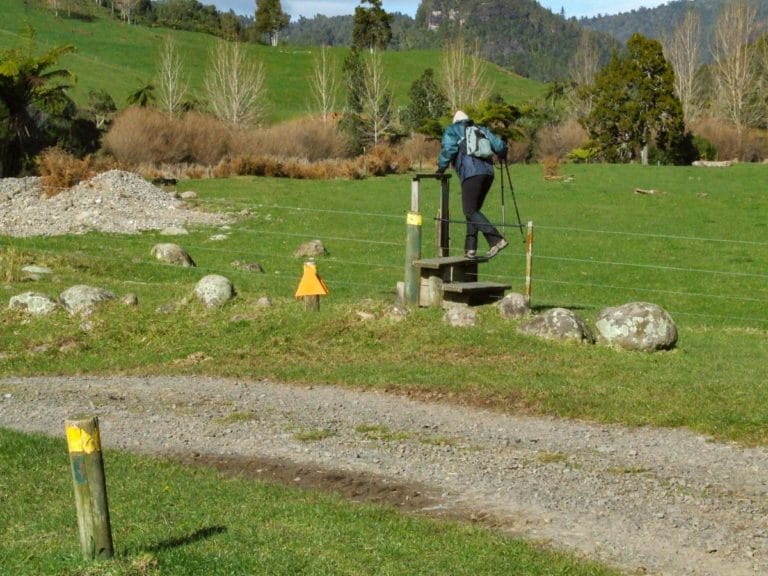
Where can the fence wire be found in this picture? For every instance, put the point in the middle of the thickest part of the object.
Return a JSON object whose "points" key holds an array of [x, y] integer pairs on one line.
{"points": [[394, 268]]}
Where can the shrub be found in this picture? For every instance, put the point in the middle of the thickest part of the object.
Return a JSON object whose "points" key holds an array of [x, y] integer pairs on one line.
{"points": [[60, 170], [420, 150], [750, 146], [557, 140]]}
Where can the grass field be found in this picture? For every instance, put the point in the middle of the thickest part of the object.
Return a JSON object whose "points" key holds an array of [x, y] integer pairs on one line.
{"points": [[171, 520], [120, 59], [696, 247]]}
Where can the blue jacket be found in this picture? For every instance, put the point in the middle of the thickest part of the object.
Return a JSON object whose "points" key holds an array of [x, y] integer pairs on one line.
{"points": [[453, 151]]}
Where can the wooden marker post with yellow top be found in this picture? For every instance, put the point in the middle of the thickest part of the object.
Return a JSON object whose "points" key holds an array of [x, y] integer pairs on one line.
{"points": [[87, 465], [311, 287]]}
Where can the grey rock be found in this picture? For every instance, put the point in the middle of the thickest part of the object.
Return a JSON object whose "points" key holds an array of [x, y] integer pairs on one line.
{"points": [[247, 266], [214, 290], [130, 299], [558, 324], [264, 302], [33, 272], [33, 303], [513, 305], [188, 195], [460, 316], [82, 299], [311, 249], [640, 326], [172, 254]]}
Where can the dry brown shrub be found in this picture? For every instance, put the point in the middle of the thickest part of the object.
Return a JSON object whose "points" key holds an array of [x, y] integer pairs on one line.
{"points": [[421, 150], [551, 165], [147, 136], [518, 151], [307, 138], [557, 141], [61, 170], [208, 139], [384, 159], [750, 146]]}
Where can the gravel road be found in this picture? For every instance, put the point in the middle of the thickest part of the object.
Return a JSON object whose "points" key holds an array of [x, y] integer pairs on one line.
{"points": [[646, 500]]}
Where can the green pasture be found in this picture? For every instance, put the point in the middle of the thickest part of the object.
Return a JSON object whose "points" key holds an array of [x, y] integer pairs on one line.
{"points": [[176, 521], [120, 59], [695, 244]]}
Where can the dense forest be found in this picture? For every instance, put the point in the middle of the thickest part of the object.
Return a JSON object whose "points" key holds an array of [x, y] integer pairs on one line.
{"points": [[659, 23]]}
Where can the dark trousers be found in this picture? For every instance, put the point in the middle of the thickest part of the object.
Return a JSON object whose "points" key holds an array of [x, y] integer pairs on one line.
{"points": [[473, 193]]}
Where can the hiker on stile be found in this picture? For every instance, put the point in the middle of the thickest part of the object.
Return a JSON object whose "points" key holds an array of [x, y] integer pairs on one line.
{"points": [[470, 148]]}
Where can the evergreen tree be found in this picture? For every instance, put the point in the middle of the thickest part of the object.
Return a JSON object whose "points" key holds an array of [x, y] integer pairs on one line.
{"points": [[428, 105], [635, 105], [270, 19], [351, 121], [372, 27]]}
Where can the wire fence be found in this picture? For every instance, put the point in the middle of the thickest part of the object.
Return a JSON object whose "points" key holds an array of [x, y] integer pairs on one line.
{"points": [[709, 294]]}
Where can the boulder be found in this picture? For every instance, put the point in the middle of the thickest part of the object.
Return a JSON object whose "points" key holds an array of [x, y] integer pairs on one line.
{"points": [[82, 299], [637, 326], [247, 266], [460, 316], [513, 305], [311, 249], [214, 290], [558, 324], [33, 303], [172, 254], [33, 272]]}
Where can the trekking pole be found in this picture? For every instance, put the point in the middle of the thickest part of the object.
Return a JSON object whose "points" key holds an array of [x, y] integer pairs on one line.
{"points": [[503, 215], [514, 200]]}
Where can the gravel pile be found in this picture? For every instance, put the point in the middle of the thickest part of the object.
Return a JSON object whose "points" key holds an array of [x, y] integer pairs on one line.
{"points": [[114, 201], [648, 500]]}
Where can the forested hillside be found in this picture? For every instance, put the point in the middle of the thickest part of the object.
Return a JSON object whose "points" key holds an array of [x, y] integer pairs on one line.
{"points": [[518, 35], [660, 22]]}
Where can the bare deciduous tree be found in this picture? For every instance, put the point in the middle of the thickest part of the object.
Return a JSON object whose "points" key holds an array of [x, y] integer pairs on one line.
{"points": [[464, 81], [734, 65], [584, 66], [682, 50], [377, 99], [173, 82], [126, 8], [234, 84], [324, 83]]}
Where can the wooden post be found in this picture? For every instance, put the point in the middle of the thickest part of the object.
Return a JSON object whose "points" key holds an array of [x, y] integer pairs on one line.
{"points": [[413, 248], [84, 445], [444, 241], [311, 303], [528, 263]]}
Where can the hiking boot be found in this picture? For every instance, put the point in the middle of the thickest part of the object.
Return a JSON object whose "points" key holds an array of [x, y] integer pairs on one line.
{"points": [[496, 248], [471, 254]]}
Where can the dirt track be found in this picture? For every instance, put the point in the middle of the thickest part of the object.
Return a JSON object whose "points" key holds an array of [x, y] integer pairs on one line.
{"points": [[647, 500]]}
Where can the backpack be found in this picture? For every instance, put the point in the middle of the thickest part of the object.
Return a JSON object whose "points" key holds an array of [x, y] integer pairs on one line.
{"points": [[477, 144]]}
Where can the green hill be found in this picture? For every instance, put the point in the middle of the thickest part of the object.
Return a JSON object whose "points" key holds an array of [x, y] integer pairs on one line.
{"points": [[119, 58]]}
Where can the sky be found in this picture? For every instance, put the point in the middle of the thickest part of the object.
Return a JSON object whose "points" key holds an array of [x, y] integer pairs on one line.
{"points": [[296, 8]]}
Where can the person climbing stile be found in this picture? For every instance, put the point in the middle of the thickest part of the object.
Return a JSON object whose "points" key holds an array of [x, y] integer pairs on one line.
{"points": [[470, 149]]}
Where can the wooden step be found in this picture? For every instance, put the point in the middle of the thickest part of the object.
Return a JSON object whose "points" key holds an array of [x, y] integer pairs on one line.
{"points": [[467, 287], [474, 292], [447, 261]]}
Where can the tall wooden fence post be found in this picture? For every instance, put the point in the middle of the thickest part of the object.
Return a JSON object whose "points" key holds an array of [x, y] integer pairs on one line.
{"points": [[84, 445], [413, 248], [528, 263]]}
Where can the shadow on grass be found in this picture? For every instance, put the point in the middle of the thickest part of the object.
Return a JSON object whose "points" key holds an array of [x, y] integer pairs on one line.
{"points": [[197, 536]]}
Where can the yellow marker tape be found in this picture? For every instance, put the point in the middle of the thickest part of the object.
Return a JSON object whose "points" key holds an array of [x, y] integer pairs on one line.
{"points": [[414, 219], [78, 440]]}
